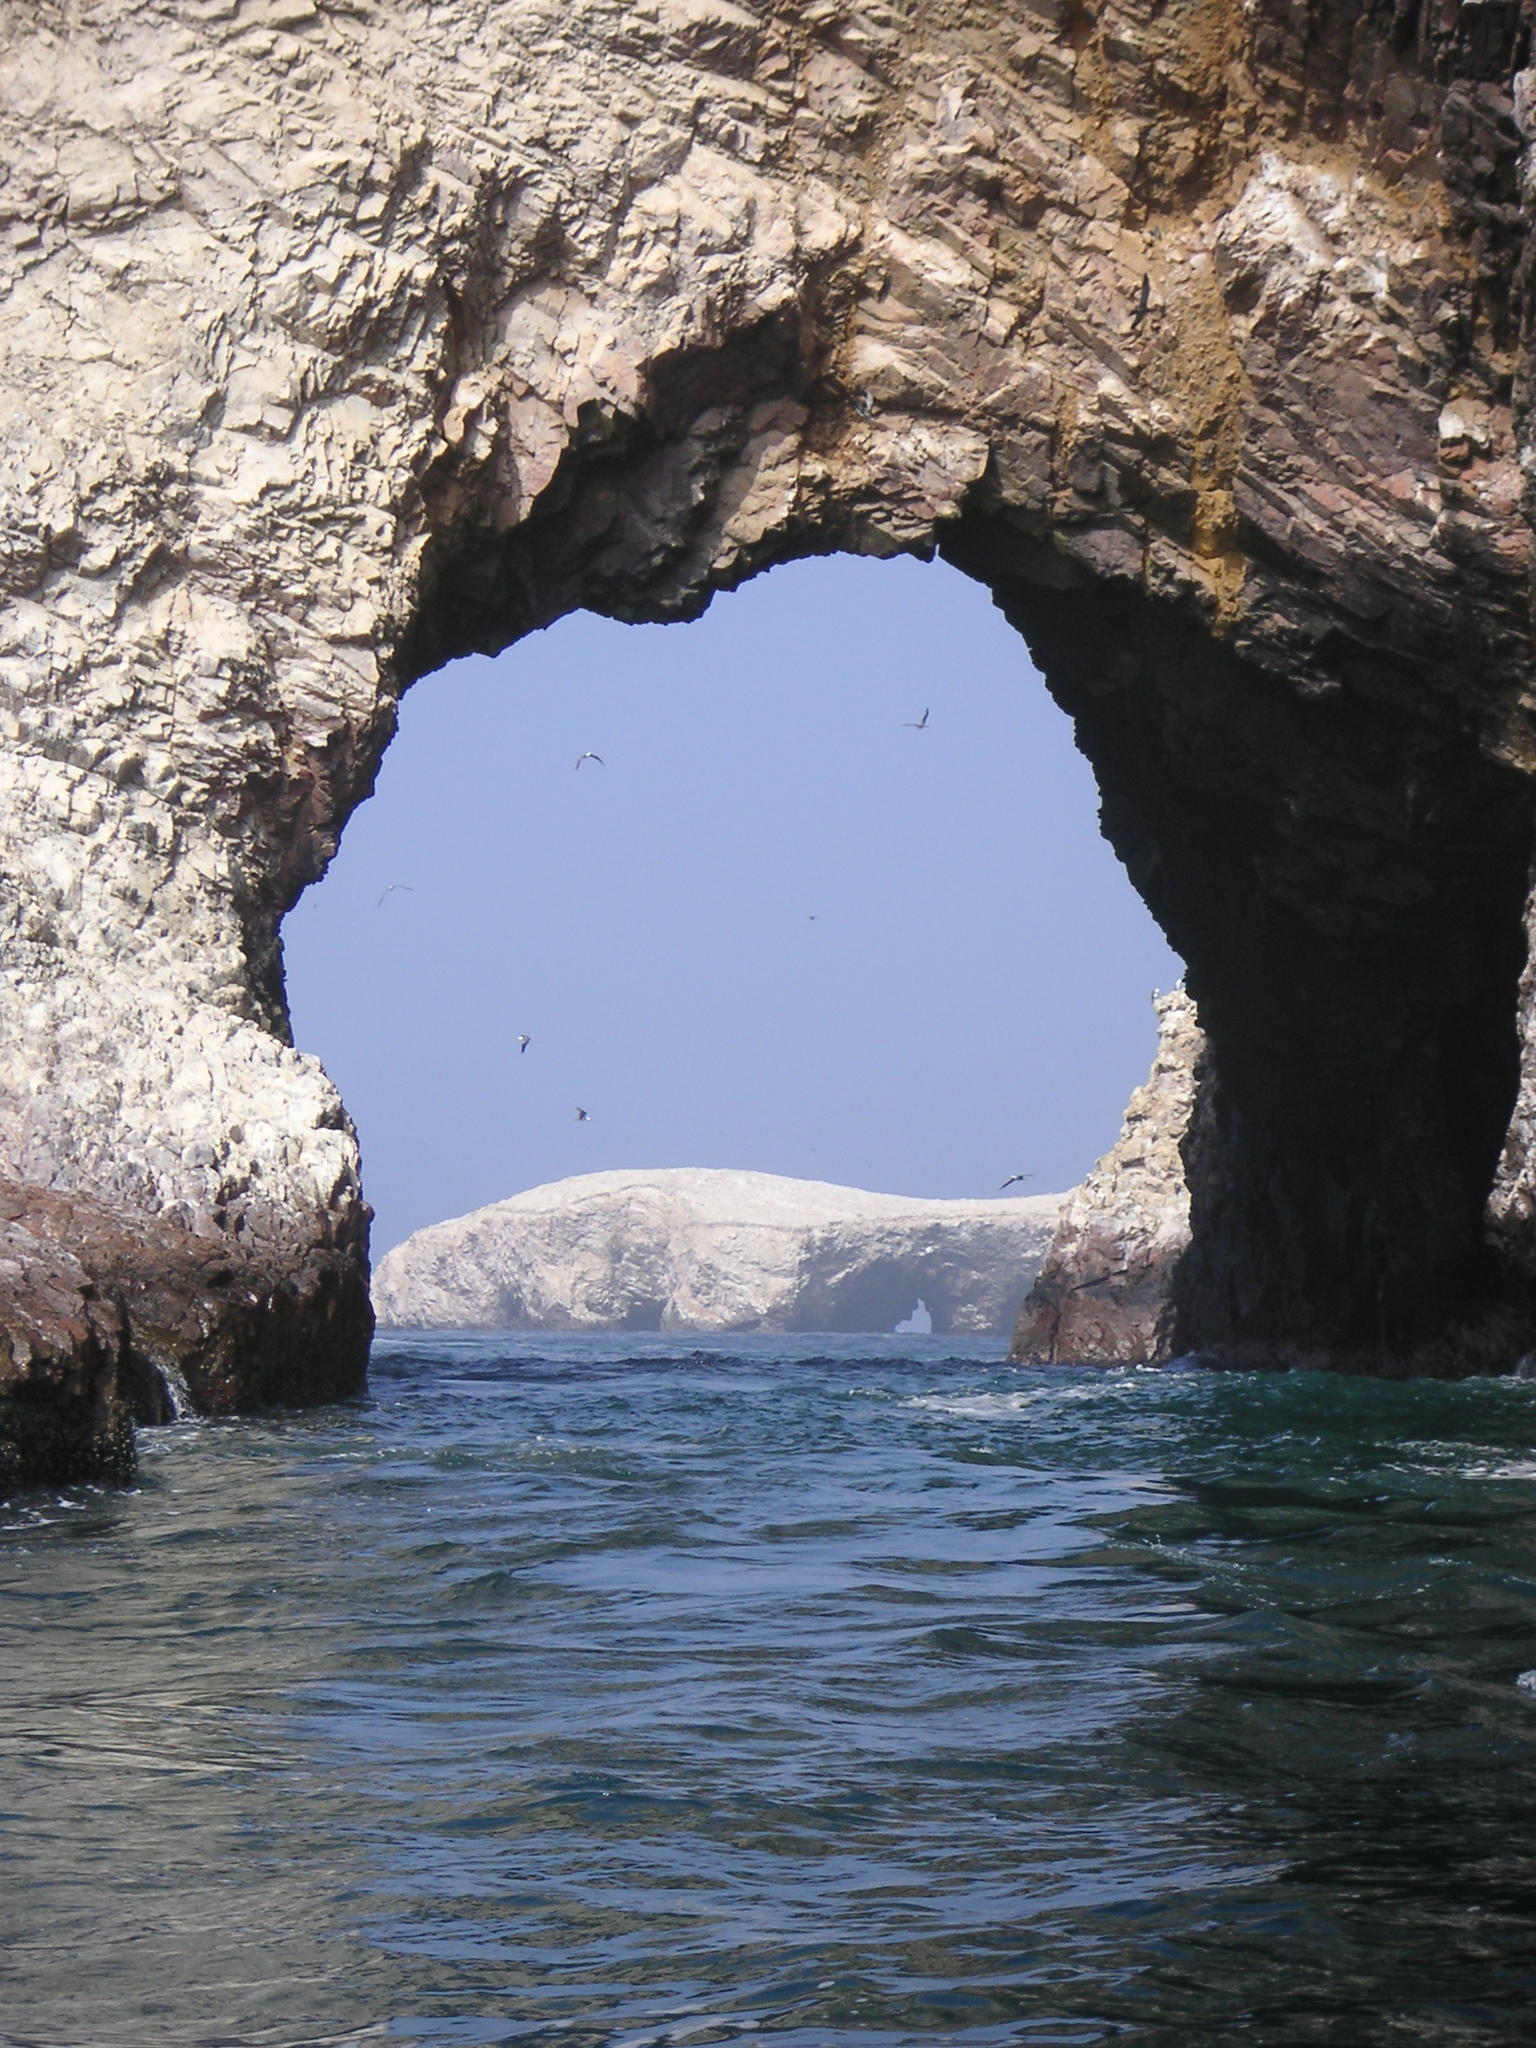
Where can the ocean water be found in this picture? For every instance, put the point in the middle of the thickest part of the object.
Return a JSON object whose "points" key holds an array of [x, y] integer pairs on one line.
{"points": [[834, 1693]]}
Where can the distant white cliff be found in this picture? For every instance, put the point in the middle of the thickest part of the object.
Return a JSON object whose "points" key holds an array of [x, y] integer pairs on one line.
{"points": [[698, 1249]]}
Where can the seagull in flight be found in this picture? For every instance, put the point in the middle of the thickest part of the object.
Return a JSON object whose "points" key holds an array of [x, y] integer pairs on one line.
{"points": [[406, 886], [917, 724], [590, 756], [582, 1117], [523, 1041], [1008, 1183]]}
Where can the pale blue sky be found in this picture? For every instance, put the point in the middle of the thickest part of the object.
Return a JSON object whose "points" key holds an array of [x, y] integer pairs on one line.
{"points": [[777, 928]]}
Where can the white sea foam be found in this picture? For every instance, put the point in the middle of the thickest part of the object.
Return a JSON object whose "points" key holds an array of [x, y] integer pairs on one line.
{"points": [[994, 1407], [177, 1393], [978, 1407]]}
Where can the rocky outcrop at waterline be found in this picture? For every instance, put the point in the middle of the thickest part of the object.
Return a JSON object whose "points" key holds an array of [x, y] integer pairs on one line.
{"points": [[693, 1248], [109, 1319], [1104, 1293], [340, 339]]}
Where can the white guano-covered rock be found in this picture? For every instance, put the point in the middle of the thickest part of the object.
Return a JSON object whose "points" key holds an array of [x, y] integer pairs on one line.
{"points": [[701, 1249]]}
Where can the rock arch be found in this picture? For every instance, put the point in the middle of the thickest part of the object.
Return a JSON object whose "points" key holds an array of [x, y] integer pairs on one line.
{"points": [[348, 335]]}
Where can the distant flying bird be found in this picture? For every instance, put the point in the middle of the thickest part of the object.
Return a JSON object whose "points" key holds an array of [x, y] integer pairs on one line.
{"points": [[523, 1041], [582, 1117], [1144, 303], [589, 756], [917, 724], [406, 886], [1008, 1183]]}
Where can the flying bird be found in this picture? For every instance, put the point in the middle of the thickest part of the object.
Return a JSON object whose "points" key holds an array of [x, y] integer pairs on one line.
{"points": [[917, 724], [406, 886], [582, 1117], [523, 1041], [589, 756], [1144, 302], [1008, 1183]]}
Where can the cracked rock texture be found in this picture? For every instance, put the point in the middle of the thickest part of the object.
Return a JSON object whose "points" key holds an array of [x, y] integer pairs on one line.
{"points": [[1103, 1295], [107, 1320], [345, 336], [699, 1249]]}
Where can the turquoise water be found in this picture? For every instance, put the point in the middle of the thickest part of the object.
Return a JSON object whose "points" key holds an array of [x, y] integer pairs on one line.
{"points": [[840, 1691]]}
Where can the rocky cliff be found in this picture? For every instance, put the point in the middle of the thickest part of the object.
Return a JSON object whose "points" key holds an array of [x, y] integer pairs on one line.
{"points": [[1104, 1293], [344, 336], [698, 1249]]}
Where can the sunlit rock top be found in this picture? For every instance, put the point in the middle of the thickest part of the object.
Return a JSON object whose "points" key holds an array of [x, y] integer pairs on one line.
{"points": [[688, 1248]]}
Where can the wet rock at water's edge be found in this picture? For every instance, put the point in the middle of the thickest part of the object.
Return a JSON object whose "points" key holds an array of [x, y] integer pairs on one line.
{"points": [[107, 1319]]}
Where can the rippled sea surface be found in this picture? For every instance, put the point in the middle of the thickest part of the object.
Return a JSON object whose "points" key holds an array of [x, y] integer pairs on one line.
{"points": [[828, 1691]]}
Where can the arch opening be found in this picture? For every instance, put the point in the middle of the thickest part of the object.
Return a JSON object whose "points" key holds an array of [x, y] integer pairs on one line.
{"points": [[778, 927], [1334, 839]]}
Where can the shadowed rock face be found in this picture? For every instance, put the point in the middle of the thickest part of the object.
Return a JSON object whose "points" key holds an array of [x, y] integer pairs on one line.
{"points": [[345, 337]]}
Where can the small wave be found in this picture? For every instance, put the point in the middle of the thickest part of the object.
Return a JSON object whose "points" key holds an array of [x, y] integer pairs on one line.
{"points": [[977, 1407]]}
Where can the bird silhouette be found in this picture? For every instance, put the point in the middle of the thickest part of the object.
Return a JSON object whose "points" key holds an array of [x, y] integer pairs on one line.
{"points": [[582, 1117], [1144, 302], [917, 724], [406, 886], [590, 756], [1008, 1183], [523, 1041]]}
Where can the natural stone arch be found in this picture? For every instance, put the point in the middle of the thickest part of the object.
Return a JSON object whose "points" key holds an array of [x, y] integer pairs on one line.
{"points": [[349, 335]]}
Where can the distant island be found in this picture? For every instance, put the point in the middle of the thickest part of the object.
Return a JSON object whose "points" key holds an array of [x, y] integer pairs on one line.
{"points": [[698, 1248]]}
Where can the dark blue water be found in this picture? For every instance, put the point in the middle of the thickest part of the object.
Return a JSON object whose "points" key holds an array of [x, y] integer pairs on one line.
{"points": [[839, 1691]]}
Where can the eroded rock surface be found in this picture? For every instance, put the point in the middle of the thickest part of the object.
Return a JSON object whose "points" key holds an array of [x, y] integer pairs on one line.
{"points": [[700, 1249], [344, 336], [1104, 1294], [108, 1318]]}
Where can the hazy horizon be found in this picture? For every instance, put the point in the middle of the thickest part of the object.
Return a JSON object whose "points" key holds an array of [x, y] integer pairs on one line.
{"points": [[774, 928]]}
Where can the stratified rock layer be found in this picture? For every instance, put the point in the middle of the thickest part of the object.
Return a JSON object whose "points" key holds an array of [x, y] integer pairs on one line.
{"points": [[700, 1249], [1104, 1295], [342, 337]]}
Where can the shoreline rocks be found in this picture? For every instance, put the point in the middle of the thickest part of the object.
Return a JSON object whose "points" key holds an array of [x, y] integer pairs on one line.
{"points": [[108, 1319], [1104, 1293]]}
